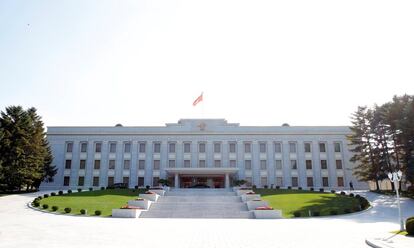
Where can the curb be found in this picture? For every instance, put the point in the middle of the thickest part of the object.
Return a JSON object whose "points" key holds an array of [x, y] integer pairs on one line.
{"points": [[368, 242]]}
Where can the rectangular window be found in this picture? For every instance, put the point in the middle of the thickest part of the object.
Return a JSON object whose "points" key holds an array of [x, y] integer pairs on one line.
{"points": [[295, 182], [202, 147], [81, 181], [171, 147], [309, 164], [217, 163], [278, 147], [248, 164], [279, 181], [69, 147], [293, 164], [247, 148], [340, 181], [233, 163], [217, 147], [324, 164], [156, 164], [278, 164], [68, 164], [110, 181], [66, 181], [140, 181], [127, 147], [307, 147], [98, 147], [155, 181], [112, 147], [187, 164], [111, 164], [187, 147], [325, 182], [263, 181], [171, 163], [202, 163], [263, 165], [141, 147], [157, 147], [141, 165], [337, 147], [262, 147], [95, 181], [125, 180], [339, 164], [292, 147], [309, 181], [84, 147], [82, 164], [232, 147], [97, 164], [127, 164], [322, 147]]}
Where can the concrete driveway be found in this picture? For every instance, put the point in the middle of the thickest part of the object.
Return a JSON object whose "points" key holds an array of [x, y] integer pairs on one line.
{"points": [[21, 226]]}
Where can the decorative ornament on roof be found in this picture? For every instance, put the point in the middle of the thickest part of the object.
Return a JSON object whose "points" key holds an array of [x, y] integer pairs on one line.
{"points": [[202, 126]]}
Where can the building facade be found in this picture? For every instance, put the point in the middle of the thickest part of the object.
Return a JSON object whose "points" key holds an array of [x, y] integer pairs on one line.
{"points": [[202, 152]]}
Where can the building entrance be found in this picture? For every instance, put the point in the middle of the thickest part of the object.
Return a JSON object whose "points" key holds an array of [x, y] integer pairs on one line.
{"points": [[194, 181]]}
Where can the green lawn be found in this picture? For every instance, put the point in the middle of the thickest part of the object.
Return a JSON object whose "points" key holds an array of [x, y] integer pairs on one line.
{"points": [[290, 201], [104, 200]]}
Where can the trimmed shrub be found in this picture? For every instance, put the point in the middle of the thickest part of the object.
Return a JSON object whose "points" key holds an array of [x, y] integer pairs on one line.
{"points": [[79, 190], [147, 187], [297, 214], [357, 196], [102, 188], [36, 204], [333, 212], [60, 192], [53, 194], [45, 206], [316, 213], [343, 193], [289, 187], [254, 187], [321, 190], [90, 189], [70, 191], [347, 210], [55, 208], [45, 195], [333, 191], [364, 203], [98, 212], [39, 197], [312, 189], [83, 211], [409, 225], [68, 210], [299, 188], [277, 187], [265, 186], [351, 195], [136, 187]]}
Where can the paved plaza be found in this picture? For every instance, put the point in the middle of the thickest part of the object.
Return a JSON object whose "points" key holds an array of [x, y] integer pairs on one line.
{"points": [[21, 226]]}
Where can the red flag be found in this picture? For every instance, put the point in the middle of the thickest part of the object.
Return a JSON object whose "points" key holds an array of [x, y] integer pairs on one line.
{"points": [[199, 99]]}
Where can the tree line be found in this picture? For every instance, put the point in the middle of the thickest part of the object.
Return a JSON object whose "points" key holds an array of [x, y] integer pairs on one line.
{"points": [[25, 155], [383, 140]]}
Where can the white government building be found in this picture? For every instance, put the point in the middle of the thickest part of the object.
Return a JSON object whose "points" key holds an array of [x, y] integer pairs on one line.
{"points": [[202, 152]]}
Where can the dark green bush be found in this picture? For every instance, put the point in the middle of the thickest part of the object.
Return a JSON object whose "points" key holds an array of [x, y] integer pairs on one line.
{"points": [[321, 190], [289, 187], [409, 225], [102, 188], [79, 190], [45, 206], [98, 212], [333, 212], [83, 211], [39, 197], [357, 196], [147, 187], [364, 203], [343, 193], [45, 195], [36, 203], [136, 187], [312, 189], [53, 194], [55, 208], [297, 214], [266, 186], [277, 187], [254, 187], [299, 188], [347, 210], [333, 191], [316, 213], [60, 192], [351, 195], [68, 210], [90, 189], [70, 191]]}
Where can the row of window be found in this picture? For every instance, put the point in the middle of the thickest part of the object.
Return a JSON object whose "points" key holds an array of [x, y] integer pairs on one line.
{"points": [[217, 147], [202, 164], [263, 181]]}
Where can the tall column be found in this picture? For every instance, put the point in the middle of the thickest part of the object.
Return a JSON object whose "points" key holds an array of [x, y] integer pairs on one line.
{"points": [[227, 181], [176, 182]]}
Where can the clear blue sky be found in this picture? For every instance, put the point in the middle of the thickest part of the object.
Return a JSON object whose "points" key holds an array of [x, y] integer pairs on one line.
{"points": [[257, 62]]}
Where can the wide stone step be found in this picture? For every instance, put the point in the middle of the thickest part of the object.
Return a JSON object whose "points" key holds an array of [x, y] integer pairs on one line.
{"points": [[200, 199], [197, 214], [200, 193], [195, 206]]}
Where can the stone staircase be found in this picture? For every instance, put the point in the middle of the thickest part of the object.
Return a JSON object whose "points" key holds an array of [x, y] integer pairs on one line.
{"points": [[198, 203]]}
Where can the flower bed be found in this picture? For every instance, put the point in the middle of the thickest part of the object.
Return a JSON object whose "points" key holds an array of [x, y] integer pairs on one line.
{"points": [[252, 205], [264, 208]]}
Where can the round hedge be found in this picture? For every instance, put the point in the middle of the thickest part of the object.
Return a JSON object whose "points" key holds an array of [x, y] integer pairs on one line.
{"points": [[45, 206], [409, 226], [83, 211], [98, 212], [68, 210], [55, 208]]}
